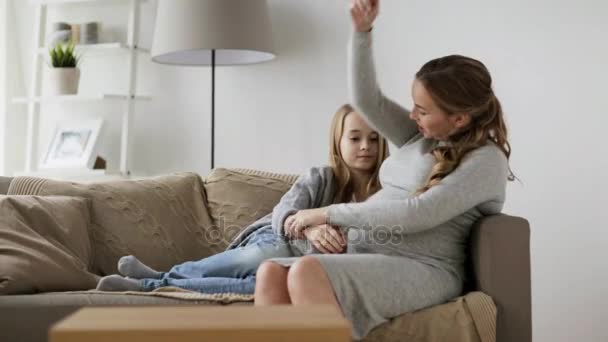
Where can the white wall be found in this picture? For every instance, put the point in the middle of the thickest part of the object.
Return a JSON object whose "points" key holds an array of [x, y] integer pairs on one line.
{"points": [[548, 59]]}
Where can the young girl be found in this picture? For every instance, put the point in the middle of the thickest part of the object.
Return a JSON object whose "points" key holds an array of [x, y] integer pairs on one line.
{"points": [[356, 153]]}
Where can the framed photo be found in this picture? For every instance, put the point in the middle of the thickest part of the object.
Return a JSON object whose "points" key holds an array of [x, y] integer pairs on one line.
{"points": [[74, 145]]}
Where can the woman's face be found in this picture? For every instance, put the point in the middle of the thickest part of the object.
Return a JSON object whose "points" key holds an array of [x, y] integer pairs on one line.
{"points": [[432, 122], [359, 144]]}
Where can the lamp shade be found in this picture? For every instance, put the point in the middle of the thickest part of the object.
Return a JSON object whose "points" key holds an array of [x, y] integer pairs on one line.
{"points": [[186, 31]]}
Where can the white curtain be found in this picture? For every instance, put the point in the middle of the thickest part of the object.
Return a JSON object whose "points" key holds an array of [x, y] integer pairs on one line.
{"points": [[12, 116], [3, 85], [3, 46]]}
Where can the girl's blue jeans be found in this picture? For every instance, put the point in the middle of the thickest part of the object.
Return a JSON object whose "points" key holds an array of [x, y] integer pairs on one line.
{"points": [[232, 271]]}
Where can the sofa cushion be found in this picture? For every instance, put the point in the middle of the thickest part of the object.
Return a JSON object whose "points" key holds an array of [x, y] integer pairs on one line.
{"points": [[452, 321], [238, 197], [44, 244], [161, 220]]}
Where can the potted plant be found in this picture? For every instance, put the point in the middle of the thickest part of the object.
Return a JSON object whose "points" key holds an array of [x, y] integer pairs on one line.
{"points": [[63, 75]]}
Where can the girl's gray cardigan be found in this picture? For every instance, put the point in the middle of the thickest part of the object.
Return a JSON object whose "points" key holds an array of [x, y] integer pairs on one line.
{"points": [[314, 189]]}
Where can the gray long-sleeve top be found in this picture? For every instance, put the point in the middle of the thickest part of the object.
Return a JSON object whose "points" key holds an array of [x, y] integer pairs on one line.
{"points": [[434, 225]]}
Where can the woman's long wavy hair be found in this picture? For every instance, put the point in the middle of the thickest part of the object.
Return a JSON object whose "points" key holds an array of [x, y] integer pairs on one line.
{"points": [[459, 84], [345, 187]]}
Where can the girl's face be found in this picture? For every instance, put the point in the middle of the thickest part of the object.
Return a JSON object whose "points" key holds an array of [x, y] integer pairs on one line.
{"points": [[359, 144], [432, 122]]}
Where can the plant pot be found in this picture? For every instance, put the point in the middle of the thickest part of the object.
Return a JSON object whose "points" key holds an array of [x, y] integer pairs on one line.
{"points": [[61, 81]]}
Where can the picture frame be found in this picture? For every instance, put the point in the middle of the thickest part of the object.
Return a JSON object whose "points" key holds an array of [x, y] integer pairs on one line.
{"points": [[73, 145]]}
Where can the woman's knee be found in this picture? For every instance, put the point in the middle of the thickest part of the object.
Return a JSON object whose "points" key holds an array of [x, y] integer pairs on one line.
{"points": [[271, 285], [270, 272], [307, 269]]}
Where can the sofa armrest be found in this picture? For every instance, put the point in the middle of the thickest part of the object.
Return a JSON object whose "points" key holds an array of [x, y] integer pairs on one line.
{"points": [[500, 252], [5, 182]]}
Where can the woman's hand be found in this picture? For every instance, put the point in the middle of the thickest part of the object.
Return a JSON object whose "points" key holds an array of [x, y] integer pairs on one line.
{"points": [[364, 12], [326, 238]]}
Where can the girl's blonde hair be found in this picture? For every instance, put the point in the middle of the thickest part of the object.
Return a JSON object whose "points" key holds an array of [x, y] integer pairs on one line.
{"points": [[345, 187], [459, 84]]}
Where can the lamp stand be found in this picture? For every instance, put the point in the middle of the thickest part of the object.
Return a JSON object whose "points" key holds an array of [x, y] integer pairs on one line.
{"points": [[191, 32]]}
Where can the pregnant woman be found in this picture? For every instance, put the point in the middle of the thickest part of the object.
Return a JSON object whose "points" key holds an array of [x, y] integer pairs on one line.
{"points": [[406, 243]]}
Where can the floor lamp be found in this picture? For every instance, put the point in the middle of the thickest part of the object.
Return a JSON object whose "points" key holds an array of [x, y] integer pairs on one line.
{"points": [[212, 32]]}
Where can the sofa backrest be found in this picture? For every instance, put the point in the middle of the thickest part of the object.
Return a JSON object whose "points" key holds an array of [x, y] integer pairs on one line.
{"points": [[238, 197], [161, 220]]}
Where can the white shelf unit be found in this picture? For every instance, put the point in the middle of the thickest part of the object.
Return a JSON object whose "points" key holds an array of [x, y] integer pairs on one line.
{"points": [[78, 98], [73, 175], [86, 49], [35, 100], [60, 2]]}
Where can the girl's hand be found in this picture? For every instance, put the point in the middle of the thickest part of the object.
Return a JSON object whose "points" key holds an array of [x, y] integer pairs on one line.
{"points": [[289, 227], [326, 238], [364, 12], [304, 219]]}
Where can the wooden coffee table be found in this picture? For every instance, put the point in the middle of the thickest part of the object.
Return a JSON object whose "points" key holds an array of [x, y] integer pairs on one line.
{"points": [[203, 323]]}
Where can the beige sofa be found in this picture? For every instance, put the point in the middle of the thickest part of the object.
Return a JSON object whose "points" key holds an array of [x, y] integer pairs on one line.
{"points": [[180, 217]]}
